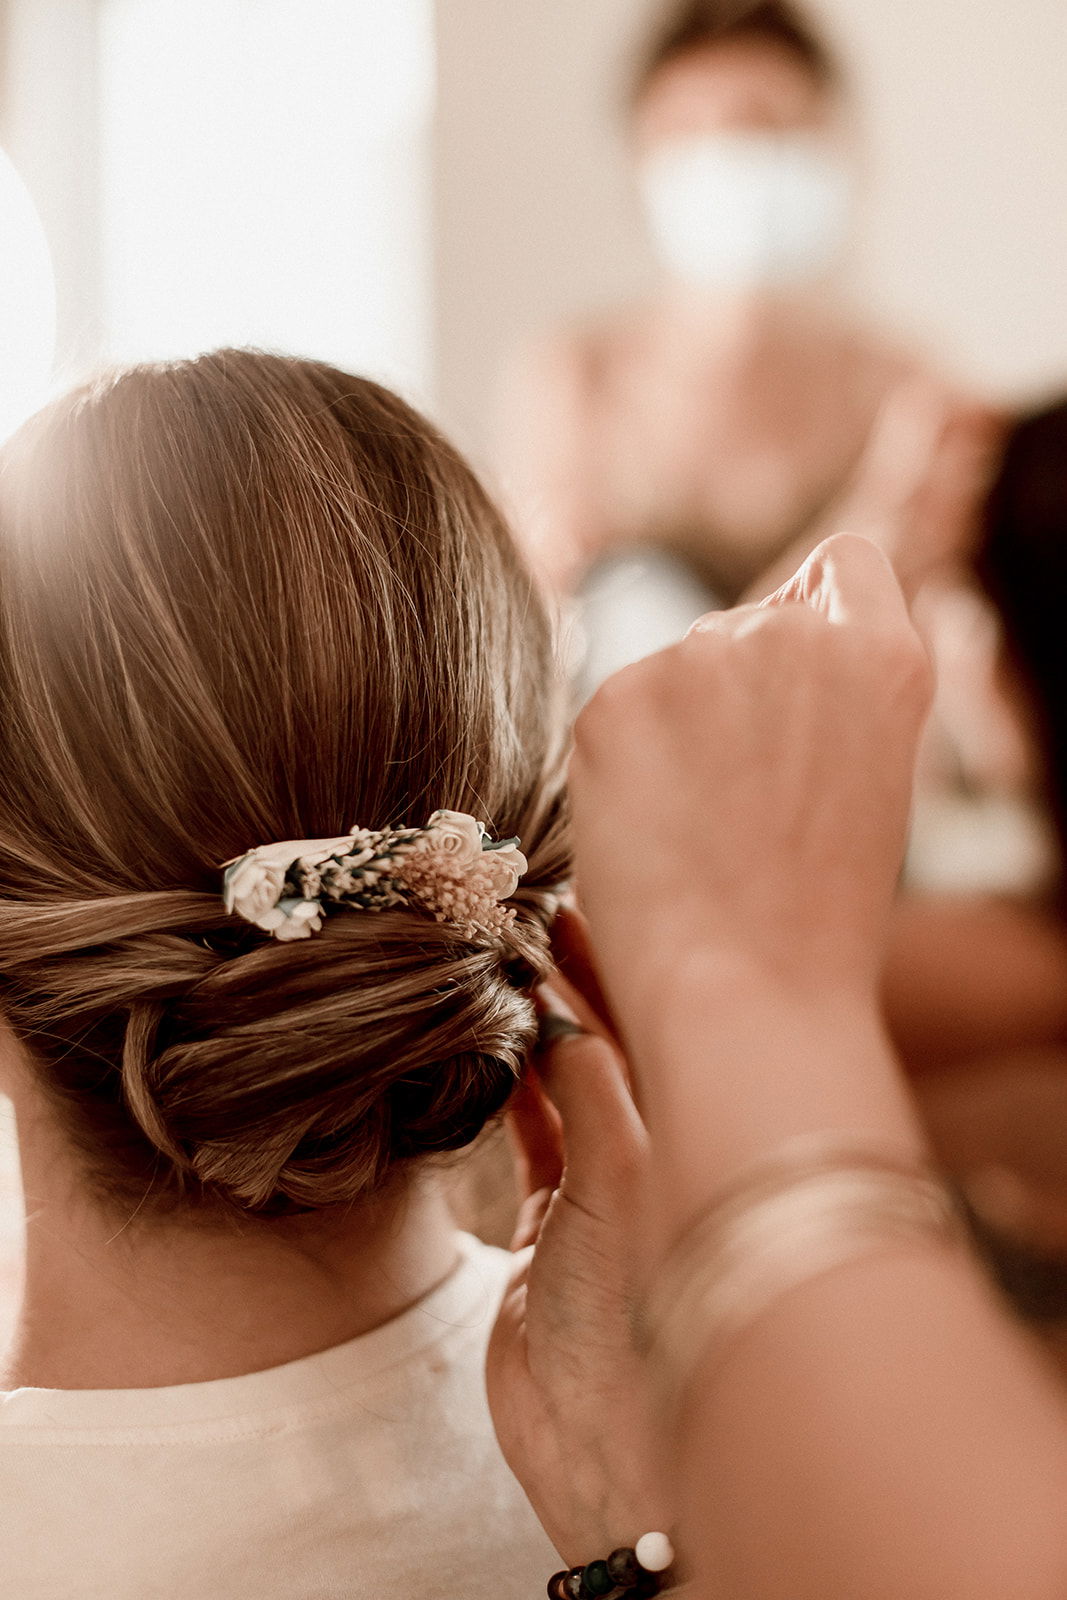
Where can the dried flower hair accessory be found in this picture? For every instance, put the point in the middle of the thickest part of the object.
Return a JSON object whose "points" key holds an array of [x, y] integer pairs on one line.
{"points": [[451, 869]]}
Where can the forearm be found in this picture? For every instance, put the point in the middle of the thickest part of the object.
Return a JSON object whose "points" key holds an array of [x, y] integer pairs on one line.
{"points": [[883, 1430]]}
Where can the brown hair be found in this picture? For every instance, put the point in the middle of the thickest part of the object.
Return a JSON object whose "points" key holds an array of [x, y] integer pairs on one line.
{"points": [[243, 599], [696, 24]]}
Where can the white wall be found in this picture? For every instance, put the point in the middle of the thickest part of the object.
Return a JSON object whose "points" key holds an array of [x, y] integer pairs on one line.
{"points": [[263, 179], [229, 171], [967, 107], [48, 113], [965, 104]]}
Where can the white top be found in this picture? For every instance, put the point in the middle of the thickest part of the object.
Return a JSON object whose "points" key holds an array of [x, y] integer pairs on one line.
{"points": [[369, 1470]]}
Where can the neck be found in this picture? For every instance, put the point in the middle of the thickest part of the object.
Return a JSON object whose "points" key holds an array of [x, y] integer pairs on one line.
{"points": [[117, 1302]]}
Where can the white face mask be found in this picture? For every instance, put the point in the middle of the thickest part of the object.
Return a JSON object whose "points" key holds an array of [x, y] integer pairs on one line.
{"points": [[746, 210]]}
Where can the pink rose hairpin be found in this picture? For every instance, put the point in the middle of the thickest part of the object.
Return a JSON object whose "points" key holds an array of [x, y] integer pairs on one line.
{"points": [[451, 869]]}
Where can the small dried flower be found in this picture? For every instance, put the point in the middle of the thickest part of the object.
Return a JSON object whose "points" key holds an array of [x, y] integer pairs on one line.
{"points": [[450, 869], [293, 919], [251, 887], [306, 880], [505, 865], [452, 834]]}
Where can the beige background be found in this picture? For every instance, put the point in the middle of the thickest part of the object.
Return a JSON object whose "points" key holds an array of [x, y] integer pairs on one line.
{"points": [[964, 103]]}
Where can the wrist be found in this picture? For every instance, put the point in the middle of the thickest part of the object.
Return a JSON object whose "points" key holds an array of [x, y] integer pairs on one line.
{"points": [[715, 997], [733, 1062]]}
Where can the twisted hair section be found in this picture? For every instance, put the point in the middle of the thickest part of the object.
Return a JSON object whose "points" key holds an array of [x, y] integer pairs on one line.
{"points": [[249, 598]]}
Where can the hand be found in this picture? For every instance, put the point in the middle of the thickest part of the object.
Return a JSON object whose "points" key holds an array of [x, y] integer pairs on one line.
{"points": [[740, 800], [568, 1385], [921, 483]]}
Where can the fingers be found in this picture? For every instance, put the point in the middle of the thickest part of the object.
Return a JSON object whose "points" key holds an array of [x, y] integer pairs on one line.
{"points": [[531, 1216], [948, 511], [850, 581], [568, 1002], [968, 452], [584, 1076], [535, 1126], [904, 440], [573, 952], [574, 1117], [535, 1133], [846, 579]]}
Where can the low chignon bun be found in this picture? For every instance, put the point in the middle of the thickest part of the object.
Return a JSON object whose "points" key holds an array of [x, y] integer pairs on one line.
{"points": [[283, 1077]]}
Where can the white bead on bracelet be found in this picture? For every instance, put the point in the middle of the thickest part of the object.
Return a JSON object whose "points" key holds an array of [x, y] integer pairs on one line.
{"points": [[654, 1551]]}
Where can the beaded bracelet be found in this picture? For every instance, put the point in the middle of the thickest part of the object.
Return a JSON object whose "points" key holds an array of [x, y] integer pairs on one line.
{"points": [[627, 1574]]}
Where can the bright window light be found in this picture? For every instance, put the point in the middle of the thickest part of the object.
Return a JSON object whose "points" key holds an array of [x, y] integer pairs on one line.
{"points": [[27, 303], [265, 179]]}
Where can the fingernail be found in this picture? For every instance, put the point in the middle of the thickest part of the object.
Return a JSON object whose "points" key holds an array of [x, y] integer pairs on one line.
{"points": [[555, 1018], [551, 1028]]}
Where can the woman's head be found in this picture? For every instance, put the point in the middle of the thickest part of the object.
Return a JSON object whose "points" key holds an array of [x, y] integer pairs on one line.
{"points": [[716, 65], [245, 599], [738, 127]]}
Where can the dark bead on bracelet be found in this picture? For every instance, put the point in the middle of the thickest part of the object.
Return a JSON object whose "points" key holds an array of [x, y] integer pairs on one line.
{"points": [[597, 1580], [566, 1585], [622, 1565]]}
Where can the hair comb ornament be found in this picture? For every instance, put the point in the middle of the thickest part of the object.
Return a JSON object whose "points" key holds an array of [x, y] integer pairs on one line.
{"points": [[451, 869]]}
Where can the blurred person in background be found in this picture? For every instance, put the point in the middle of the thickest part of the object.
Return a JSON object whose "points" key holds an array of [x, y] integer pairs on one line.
{"points": [[976, 983], [713, 425], [971, 508]]}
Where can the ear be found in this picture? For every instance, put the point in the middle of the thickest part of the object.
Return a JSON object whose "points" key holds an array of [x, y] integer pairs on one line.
{"points": [[573, 952]]}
